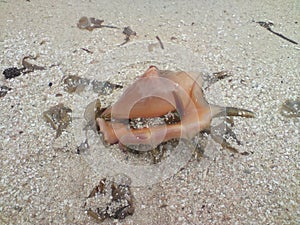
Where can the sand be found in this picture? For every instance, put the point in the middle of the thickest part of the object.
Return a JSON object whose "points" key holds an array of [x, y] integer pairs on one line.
{"points": [[44, 181]]}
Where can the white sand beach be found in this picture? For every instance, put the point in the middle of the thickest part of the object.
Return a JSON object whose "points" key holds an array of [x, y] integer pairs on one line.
{"points": [[44, 181]]}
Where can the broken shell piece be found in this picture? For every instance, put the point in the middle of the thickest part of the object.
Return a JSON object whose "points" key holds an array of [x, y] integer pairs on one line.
{"points": [[75, 83], [89, 23], [291, 108]]}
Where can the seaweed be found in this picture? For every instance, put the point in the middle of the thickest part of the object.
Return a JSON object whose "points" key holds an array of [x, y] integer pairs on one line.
{"points": [[28, 67], [268, 25], [12, 72], [160, 42], [91, 23], [59, 118], [128, 32], [73, 83], [111, 198]]}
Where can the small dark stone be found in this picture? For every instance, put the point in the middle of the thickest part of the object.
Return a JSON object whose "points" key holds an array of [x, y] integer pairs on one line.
{"points": [[12, 72], [50, 84]]}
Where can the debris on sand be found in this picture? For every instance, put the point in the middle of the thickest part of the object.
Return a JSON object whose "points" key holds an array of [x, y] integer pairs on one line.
{"points": [[59, 118], [268, 25], [12, 72], [73, 83], [160, 42], [91, 23], [128, 32], [291, 108], [111, 198], [4, 90], [28, 67]]}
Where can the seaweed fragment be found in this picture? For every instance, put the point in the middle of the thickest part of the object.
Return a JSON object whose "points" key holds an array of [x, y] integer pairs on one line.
{"points": [[104, 87], [73, 83], [28, 67], [59, 118], [268, 25], [221, 74], [156, 45], [158, 154], [111, 198], [91, 23], [160, 42], [98, 188], [4, 90], [210, 79], [86, 50], [128, 32]]}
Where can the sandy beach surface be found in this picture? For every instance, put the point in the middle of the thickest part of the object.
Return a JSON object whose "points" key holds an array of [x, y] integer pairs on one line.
{"points": [[43, 179]]}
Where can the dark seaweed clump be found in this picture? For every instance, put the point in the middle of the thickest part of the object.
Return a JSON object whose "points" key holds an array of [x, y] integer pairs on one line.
{"points": [[12, 72], [111, 198]]}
